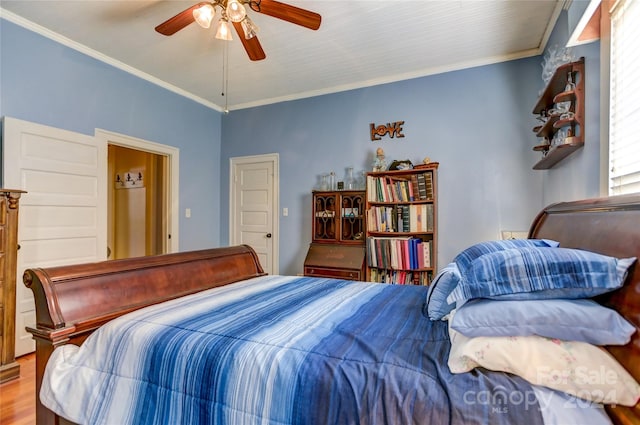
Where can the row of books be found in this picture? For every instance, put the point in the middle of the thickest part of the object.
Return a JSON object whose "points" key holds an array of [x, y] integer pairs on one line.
{"points": [[407, 188], [401, 277], [400, 218], [401, 253]]}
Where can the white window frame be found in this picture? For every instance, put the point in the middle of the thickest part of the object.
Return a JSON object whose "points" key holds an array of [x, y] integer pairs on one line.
{"points": [[623, 123]]}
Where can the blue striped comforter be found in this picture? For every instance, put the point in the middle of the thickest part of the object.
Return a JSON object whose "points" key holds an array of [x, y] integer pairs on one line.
{"points": [[278, 350]]}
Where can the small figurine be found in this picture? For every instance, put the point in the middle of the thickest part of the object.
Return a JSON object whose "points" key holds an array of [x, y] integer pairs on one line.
{"points": [[379, 163], [426, 160], [404, 164]]}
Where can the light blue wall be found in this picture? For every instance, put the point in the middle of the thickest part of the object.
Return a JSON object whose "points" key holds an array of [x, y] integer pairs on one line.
{"points": [[476, 122], [45, 82]]}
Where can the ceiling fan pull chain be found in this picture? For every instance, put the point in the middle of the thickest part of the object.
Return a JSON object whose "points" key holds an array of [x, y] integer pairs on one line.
{"points": [[225, 76]]}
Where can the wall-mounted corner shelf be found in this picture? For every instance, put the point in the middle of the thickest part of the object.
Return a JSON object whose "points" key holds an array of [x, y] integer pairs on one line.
{"points": [[559, 90]]}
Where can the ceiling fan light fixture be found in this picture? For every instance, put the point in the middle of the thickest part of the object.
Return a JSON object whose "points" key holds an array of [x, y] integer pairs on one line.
{"points": [[236, 11], [250, 29], [223, 32], [204, 15]]}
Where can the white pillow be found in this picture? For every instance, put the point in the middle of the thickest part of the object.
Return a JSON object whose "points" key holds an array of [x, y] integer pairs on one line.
{"points": [[577, 368]]}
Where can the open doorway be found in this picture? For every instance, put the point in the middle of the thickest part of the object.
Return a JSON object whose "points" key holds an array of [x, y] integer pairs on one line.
{"points": [[142, 193], [137, 203]]}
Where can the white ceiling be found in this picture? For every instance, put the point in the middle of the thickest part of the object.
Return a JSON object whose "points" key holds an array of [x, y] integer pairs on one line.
{"points": [[360, 43]]}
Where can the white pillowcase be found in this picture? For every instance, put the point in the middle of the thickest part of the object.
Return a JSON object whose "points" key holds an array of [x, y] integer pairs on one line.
{"points": [[577, 368]]}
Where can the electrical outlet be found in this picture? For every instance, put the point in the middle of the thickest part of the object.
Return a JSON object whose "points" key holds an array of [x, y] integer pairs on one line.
{"points": [[514, 234]]}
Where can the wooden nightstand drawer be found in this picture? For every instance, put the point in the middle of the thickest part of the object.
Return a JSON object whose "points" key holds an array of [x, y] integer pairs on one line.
{"points": [[338, 274]]}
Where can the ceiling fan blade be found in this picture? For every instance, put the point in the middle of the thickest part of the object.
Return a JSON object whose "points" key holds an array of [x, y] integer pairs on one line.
{"points": [[181, 20], [286, 12], [252, 45]]}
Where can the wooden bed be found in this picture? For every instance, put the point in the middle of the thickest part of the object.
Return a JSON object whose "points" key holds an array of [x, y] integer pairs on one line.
{"points": [[73, 301]]}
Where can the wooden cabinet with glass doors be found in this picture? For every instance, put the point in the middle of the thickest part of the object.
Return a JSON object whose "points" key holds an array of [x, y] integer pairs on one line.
{"points": [[337, 248]]}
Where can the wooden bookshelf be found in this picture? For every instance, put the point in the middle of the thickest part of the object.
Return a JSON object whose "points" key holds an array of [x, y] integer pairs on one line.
{"points": [[401, 232]]}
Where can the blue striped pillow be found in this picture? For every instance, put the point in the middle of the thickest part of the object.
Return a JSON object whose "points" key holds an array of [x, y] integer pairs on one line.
{"points": [[466, 257], [540, 273], [436, 306]]}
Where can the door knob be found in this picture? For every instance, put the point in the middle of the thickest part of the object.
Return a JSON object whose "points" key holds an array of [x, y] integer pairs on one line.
{"points": [[268, 235]]}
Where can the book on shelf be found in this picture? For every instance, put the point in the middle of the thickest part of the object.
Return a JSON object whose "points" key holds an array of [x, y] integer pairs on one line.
{"points": [[406, 220], [414, 218], [401, 277], [398, 253], [424, 254], [398, 188], [415, 190], [422, 186], [428, 177]]}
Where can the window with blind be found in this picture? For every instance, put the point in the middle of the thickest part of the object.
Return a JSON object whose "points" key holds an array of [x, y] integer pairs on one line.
{"points": [[624, 120]]}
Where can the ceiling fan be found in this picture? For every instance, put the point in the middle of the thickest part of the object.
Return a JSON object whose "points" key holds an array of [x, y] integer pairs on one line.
{"points": [[234, 11]]}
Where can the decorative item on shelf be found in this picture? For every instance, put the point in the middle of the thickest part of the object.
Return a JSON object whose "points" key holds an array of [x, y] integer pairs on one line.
{"points": [[332, 181], [571, 86], [129, 180], [379, 162], [324, 182], [426, 163], [543, 147], [349, 182], [404, 164], [553, 58], [350, 212], [362, 179]]}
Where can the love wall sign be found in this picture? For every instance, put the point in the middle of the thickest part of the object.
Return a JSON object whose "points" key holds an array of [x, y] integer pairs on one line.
{"points": [[390, 129]]}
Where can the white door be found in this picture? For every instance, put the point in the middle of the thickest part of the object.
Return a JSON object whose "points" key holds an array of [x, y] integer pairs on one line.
{"points": [[62, 218], [253, 204]]}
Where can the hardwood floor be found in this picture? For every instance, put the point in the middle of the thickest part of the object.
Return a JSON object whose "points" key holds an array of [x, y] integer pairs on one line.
{"points": [[17, 397]]}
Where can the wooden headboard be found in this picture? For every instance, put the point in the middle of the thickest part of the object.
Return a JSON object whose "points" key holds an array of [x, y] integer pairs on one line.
{"points": [[609, 226]]}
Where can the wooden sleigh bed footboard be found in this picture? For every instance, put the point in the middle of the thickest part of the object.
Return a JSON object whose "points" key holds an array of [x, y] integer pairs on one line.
{"points": [[73, 301]]}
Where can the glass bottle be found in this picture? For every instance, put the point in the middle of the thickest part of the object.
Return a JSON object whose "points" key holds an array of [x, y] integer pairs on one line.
{"points": [[324, 184], [349, 183], [362, 180]]}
